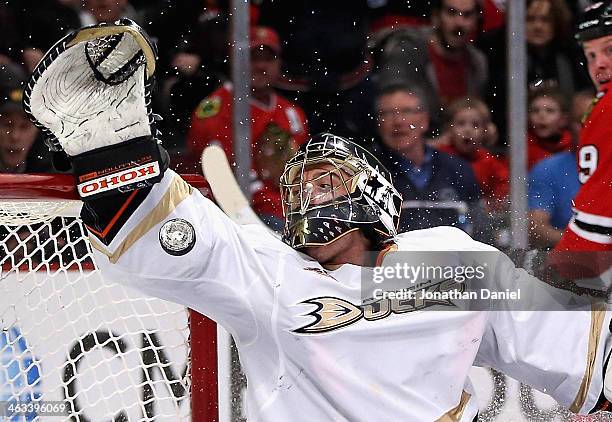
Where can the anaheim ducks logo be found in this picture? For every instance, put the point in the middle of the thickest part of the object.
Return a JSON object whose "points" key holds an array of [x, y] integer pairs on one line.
{"points": [[332, 313]]}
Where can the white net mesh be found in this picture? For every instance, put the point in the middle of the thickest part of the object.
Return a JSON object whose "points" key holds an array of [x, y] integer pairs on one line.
{"points": [[69, 335], [20, 212]]}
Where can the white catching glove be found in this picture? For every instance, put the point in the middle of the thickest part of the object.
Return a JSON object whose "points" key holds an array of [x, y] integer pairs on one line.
{"points": [[90, 95]]}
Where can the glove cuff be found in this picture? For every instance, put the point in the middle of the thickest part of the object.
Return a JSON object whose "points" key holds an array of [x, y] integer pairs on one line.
{"points": [[135, 164]]}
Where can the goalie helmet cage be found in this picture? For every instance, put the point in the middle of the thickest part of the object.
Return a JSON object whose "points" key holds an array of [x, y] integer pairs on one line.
{"points": [[68, 335]]}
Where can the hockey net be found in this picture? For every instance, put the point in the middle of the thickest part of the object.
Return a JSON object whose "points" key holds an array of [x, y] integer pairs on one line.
{"points": [[79, 346]]}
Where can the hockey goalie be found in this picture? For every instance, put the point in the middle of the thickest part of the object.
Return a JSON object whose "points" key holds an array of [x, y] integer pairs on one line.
{"points": [[311, 346]]}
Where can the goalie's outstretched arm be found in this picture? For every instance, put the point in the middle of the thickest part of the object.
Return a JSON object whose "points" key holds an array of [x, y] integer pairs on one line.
{"points": [[91, 97], [177, 245]]}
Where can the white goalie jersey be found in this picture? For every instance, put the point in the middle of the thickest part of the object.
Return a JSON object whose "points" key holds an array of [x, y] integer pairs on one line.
{"points": [[312, 351]]}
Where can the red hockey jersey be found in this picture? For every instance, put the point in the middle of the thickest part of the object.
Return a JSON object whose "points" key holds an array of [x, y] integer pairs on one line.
{"points": [[591, 227], [212, 121]]}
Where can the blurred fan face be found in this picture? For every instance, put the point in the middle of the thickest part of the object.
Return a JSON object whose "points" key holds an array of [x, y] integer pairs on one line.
{"points": [[467, 130], [17, 135], [539, 30], [265, 68], [456, 22], [402, 120], [546, 118], [598, 53]]}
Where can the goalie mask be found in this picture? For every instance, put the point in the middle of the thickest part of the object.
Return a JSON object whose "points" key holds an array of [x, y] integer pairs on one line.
{"points": [[333, 186]]}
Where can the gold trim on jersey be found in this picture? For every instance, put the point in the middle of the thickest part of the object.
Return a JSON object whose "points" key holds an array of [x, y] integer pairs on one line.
{"points": [[332, 313], [176, 193], [456, 413], [97, 246], [598, 313]]}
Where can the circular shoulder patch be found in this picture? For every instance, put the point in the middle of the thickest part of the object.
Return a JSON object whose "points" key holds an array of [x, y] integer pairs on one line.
{"points": [[208, 107], [177, 236]]}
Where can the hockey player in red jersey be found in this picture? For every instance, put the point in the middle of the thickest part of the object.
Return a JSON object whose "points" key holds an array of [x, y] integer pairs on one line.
{"points": [[587, 240], [307, 339]]}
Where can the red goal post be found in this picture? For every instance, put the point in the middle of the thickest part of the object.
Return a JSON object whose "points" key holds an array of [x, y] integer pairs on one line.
{"points": [[69, 335]]}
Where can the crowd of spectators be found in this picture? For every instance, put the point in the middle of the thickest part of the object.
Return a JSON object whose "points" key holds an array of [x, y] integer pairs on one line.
{"points": [[422, 84]]}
